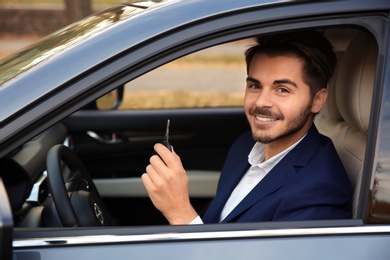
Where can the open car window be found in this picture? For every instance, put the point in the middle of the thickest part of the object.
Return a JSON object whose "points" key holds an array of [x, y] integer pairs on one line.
{"points": [[214, 77]]}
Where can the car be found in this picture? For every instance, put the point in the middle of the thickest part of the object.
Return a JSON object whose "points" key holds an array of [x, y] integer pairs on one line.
{"points": [[83, 107]]}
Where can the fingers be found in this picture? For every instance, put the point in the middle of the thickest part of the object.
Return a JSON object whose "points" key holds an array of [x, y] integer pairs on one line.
{"points": [[146, 181], [170, 158], [167, 185], [163, 152], [163, 167], [157, 164], [152, 177]]}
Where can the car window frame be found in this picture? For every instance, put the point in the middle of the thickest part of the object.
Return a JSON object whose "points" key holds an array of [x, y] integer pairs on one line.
{"points": [[375, 26]]}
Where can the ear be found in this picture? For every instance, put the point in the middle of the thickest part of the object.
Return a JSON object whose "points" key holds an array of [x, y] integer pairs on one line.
{"points": [[319, 100]]}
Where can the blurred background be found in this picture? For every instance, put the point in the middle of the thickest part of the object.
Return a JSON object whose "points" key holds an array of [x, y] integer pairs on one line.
{"points": [[24, 21]]}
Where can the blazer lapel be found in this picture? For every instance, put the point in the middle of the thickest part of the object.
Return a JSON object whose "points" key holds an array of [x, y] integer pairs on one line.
{"points": [[213, 212], [278, 176], [273, 181]]}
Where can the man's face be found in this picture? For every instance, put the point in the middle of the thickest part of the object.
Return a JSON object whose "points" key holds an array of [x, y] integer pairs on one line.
{"points": [[277, 102]]}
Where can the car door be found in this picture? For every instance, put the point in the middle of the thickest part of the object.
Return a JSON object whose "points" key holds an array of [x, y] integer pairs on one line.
{"points": [[348, 239], [6, 224]]}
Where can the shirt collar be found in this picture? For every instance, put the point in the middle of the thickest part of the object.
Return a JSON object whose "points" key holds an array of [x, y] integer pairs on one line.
{"points": [[256, 156]]}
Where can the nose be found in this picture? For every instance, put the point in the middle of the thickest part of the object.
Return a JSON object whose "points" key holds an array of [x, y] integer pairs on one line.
{"points": [[264, 98]]}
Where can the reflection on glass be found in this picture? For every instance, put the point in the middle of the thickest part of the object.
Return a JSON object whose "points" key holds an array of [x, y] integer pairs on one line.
{"points": [[53, 44]]}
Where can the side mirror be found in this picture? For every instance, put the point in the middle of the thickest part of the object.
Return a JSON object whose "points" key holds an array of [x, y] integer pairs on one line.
{"points": [[112, 100]]}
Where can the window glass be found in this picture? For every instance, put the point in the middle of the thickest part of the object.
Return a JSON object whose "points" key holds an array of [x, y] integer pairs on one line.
{"points": [[213, 77]]}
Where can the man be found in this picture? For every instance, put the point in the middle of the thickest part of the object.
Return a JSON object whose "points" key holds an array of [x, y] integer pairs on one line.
{"points": [[284, 169]]}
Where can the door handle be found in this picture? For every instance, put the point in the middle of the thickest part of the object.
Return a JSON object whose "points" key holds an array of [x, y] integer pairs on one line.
{"points": [[109, 138]]}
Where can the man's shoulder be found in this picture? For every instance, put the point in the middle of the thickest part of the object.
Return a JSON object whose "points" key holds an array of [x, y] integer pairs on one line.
{"points": [[240, 149], [319, 153], [314, 141]]}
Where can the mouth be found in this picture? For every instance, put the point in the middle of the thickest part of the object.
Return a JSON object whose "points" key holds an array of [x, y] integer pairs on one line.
{"points": [[265, 119]]}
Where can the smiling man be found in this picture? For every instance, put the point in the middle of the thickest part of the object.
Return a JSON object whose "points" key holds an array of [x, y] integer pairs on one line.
{"points": [[284, 169]]}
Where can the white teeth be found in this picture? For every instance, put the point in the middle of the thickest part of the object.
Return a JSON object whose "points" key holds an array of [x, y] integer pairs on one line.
{"points": [[264, 119]]}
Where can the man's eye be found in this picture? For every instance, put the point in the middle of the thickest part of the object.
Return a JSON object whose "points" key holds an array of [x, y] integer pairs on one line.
{"points": [[253, 86], [283, 90]]}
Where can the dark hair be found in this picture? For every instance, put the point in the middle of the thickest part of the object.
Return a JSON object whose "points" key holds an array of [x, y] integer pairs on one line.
{"points": [[310, 46]]}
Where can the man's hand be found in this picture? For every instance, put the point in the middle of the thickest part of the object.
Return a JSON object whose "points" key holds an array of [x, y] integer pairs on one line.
{"points": [[167, 184]]}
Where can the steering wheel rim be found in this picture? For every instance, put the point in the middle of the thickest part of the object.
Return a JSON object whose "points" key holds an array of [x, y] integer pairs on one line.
{"points": [[73, 194]]}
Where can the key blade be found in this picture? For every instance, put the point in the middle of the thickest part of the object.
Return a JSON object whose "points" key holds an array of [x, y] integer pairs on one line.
{"points": [[166, 139], [167, 130]]}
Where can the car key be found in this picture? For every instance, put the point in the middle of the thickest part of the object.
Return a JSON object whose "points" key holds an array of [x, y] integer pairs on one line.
{"points": [[166, 140]]}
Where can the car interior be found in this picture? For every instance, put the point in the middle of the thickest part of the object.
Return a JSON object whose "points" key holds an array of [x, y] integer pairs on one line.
{"points": [[345, 116], [201, 136]]}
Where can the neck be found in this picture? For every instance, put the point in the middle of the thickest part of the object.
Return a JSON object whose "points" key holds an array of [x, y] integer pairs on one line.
{"points": [[279, 145]]}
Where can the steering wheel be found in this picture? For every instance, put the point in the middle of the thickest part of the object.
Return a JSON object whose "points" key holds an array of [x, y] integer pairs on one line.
{"points": [[76, 200]]}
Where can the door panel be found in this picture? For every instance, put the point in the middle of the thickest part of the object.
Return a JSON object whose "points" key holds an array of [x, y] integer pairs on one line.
{"points": [[201, 137], [115, 146]]}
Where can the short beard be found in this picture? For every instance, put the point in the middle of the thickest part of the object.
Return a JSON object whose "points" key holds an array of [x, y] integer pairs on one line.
{"points": [[297, 124]]}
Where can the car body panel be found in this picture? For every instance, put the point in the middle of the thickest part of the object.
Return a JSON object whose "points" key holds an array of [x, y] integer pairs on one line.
{"points": [[354, 243]]}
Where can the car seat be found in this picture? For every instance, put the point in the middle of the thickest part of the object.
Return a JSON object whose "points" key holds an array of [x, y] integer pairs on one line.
{"points": [[345, 116]]}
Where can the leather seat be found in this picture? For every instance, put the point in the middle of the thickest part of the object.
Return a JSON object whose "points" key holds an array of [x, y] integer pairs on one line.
{"points": [[345, 116]]}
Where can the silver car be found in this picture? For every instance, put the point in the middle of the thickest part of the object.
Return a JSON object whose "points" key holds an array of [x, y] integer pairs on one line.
{"points": [[82, 108]]}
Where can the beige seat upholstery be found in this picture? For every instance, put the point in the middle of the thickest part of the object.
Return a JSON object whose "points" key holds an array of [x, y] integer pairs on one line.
{"points": [[345, 116]]}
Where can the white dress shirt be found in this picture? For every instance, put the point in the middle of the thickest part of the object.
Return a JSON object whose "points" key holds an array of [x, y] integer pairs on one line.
{"points": [[258, 170]]}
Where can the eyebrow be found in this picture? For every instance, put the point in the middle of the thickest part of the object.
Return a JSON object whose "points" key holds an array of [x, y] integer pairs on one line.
{"points": [[276, 82], [252, 79], [285, 81]]}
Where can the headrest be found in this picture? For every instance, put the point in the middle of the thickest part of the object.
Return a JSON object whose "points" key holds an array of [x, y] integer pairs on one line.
{"points": [[330, 109], [355, 81]]}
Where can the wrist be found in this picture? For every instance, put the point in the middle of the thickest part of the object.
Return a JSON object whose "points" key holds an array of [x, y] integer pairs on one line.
{"points": [[182, 217]]}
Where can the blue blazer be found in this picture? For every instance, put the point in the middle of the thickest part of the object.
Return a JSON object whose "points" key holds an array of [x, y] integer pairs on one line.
{"points": [[309, 183]]}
